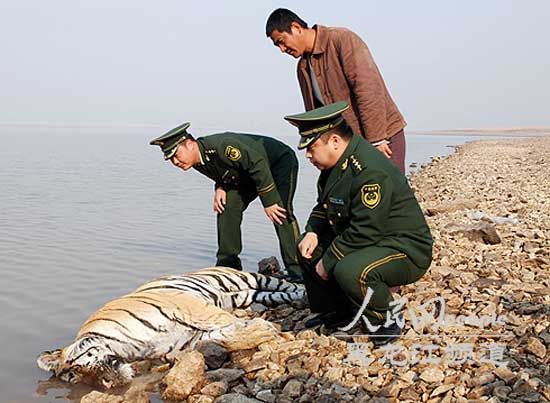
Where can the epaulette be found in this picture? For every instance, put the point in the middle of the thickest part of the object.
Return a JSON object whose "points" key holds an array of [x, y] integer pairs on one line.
{"points": [[354, 162], [209, 152]]}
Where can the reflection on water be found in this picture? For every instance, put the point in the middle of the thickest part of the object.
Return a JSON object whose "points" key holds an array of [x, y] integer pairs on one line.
{"points": [[88, 215]]}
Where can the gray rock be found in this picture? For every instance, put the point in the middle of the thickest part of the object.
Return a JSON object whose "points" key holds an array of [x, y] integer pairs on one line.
{"points": [[269, 266], [214, 354], [531, 397], [235, 398], [293, 388], [479, 232], [502, 392], [224, 374], [266, 396]]}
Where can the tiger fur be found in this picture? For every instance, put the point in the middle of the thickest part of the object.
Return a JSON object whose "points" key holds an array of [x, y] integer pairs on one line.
{"points": [[163, 317]]}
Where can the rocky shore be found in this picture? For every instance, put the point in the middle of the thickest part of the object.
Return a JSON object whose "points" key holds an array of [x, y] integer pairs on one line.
{"points": [[476, 326]]}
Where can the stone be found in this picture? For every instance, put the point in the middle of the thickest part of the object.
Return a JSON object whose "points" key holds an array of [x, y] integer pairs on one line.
{"points": [[482, 379], [186, 377], [227, 375], [479, 392], [502, 392], [530, 397], [235, 398], [535, 346], [451, 207], [479, 232], [293, 388], [409, 394], [215, 389], [214, 354], [266, 396], [432, 375], [505, 374], [441, 389], [98, 397], [200, 399], [269, 266]]}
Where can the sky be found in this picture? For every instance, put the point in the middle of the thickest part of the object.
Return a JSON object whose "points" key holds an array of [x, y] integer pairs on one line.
{"points": [[448, 64]]}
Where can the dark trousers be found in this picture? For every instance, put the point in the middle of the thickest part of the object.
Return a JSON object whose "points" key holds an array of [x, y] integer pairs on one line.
{"points": [[398, 146], [229, 222], [378, 268]]}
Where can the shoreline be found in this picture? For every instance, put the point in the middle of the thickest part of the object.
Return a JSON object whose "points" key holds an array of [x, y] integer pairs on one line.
{"points": [[505, 132], [488, 207]]}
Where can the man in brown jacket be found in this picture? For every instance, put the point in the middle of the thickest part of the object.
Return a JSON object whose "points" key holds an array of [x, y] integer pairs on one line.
{"points": [[336, 65]]}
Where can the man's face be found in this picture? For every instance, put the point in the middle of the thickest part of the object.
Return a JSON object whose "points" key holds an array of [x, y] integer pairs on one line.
{"points": [[184, 157], [291, 43], [324, 152]]}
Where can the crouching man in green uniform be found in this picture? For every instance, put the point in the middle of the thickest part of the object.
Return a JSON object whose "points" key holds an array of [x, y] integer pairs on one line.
{"points": [[367, 230], [243, 166]]}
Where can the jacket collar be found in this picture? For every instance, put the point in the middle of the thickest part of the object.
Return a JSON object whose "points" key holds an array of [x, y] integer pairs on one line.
{"points": [[342, 165], [321, 40], [202, 152]]}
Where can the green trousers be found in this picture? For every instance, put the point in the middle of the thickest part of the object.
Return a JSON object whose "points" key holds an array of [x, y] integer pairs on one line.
{"points": [[378, 268], [229, 222]]}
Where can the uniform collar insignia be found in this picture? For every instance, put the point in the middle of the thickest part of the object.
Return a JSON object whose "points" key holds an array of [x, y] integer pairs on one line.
{"points": [[345, 164]]}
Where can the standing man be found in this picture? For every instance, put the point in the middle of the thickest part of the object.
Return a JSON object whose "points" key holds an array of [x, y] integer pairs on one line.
{"points": [[243, 166], [336, 65], [367, 231]]}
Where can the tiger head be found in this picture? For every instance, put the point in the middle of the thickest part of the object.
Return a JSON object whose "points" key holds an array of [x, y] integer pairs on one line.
{"points": [[88, 361]]}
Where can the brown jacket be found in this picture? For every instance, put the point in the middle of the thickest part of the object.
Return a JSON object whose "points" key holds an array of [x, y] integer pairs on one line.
{"points": [[345, 71]]}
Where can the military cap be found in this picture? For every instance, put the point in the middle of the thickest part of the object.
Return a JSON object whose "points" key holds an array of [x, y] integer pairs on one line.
{"points": [[170, 140], [314, 123]]}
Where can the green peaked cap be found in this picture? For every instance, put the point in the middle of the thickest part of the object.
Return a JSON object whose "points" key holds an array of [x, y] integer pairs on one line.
{"points": [[170, 140], [312, 124]]}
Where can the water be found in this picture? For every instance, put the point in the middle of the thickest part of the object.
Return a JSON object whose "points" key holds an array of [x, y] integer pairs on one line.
{"points": [[88, 215]]}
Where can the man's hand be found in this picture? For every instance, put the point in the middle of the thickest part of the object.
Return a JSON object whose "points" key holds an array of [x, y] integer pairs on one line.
{"points": [[220, 197], [308, 245], [320, 269], [275, 213], [385, 149]]}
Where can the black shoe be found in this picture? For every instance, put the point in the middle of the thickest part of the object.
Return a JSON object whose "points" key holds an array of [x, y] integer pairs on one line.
{"points": [[385, 335], [331, 320]]}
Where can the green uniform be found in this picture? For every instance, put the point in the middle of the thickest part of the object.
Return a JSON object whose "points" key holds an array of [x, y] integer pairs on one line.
{"points": [[371, 230], [247, 166]]}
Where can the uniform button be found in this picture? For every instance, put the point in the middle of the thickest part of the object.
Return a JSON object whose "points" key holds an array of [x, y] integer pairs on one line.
{"points": [[325, 206], [331, 222], [339, 215]]}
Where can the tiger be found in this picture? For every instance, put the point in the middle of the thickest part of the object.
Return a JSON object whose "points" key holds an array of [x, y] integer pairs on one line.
{"points": [[161, 318]]}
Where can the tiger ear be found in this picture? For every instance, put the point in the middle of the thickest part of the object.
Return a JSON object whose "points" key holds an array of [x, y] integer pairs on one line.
{"points": [[49, 360]]}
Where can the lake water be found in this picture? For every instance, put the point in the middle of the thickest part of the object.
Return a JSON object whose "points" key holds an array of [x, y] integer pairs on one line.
{"points": [[88, 215]]}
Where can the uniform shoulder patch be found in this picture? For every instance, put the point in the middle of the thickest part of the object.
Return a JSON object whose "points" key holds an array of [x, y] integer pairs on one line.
{"points": [[371, 195], [233, 153]]}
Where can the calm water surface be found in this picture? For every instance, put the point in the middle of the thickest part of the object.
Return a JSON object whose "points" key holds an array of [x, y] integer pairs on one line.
{"points": [[88, 215]]}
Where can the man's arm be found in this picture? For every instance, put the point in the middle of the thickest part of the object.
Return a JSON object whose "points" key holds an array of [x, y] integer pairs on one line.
{"points": [[241, 156], [366, 85], [317, 221], [370, 208]]}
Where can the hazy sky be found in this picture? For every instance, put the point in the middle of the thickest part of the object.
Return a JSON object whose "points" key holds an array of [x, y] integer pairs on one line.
{"points": [[447, 63]]}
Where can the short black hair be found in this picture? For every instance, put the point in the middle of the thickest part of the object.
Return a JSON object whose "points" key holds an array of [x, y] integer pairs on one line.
{"points": [[281, 20]]}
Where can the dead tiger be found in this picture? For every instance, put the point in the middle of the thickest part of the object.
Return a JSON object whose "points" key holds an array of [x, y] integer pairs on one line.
{"points": [[163, 317]]}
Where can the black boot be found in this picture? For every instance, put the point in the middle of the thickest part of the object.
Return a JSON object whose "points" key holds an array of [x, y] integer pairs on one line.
{"points": [[385, 335], [331, 320]]}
